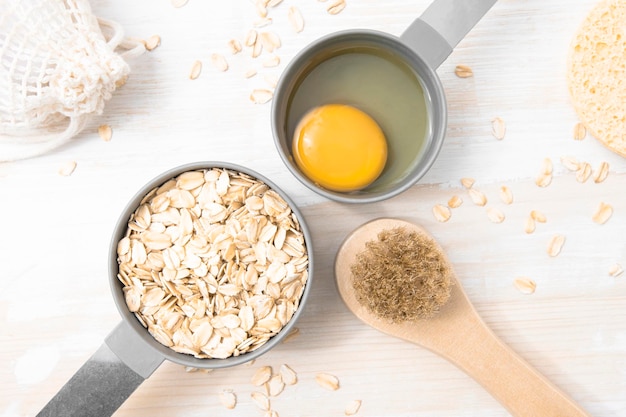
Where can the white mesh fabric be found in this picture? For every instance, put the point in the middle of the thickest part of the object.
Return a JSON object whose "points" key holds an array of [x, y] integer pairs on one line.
{"points": [[56, 70]]}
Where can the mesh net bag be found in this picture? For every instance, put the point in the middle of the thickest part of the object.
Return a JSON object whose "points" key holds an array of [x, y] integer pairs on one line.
{"points": [[58, 67]]}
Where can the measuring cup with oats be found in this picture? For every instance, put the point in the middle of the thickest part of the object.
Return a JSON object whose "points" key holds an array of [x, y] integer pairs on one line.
{"points": [[210, 266]]}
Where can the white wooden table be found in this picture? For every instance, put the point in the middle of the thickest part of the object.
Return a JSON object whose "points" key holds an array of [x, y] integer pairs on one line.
{"points": [[55, 304]]}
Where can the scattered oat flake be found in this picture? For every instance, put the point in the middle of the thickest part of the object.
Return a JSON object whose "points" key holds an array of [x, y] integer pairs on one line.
{"points": [[270, 41], [477, 197], [506, 195], [602, 173], [603, 213], [196, 69], [265, 21], [529, 226], [463, 71], [235, 46], [580, 131], [467, 182], [455, 201], [152, 42], [615, 270], [251, 38], [261, 376], [272, 61], [352, 407], [261, 9], [498, 128], [261, 96], [105, 132], [261, 400], [546, 166], [274, 3], [289, 375], [228, 399], [555, 245], [538, 216], [295, 19], [525, 285], [495, 215], [256, 50], [275, 385], [442, 213], [584, 172], [543, 180], [271, 413], [67, 168], [292, 334], [336, 7], [178, 3], [327, 381], [219, 62], [250, 73], [570, 163]]}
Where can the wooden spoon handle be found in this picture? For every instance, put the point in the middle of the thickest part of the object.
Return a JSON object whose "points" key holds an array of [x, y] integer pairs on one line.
{"points": [[511, 380]]}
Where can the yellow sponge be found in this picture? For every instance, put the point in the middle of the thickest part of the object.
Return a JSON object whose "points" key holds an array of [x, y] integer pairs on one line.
{"points": [[597, 73]]}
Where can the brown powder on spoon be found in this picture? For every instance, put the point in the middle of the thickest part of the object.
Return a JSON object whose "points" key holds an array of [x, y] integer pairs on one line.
{"points": [[401, 276]]}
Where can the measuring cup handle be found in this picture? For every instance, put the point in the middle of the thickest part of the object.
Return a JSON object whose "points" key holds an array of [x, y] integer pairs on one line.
{"points": [[107, 379], [442, 26]]}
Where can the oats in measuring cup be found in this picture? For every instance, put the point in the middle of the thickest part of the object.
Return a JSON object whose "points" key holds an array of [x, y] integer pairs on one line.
{"points": [[213, 263]]}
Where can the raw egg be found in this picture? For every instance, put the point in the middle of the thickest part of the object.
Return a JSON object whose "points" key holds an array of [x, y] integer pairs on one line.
{"points": [[339, 147]]}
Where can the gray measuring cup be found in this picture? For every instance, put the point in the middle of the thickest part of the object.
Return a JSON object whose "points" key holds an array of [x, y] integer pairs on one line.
{"points": [[424, 45], [129, 353]]}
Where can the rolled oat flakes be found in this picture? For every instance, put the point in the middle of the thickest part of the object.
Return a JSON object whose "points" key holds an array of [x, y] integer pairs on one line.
{"points": [[213, 263]]}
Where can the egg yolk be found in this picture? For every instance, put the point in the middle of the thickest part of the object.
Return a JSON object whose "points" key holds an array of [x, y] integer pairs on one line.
{"points": [[339, 147]]}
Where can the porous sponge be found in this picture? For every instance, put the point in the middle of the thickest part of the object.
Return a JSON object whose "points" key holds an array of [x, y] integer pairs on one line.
{"points": [[597, 73]]}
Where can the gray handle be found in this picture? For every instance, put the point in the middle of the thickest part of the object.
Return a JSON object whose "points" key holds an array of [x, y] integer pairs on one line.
{"points": [[442, 26], [107, 379]]}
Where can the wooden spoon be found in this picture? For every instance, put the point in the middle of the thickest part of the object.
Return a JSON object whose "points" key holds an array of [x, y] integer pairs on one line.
{"points": [[459, 335]]}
